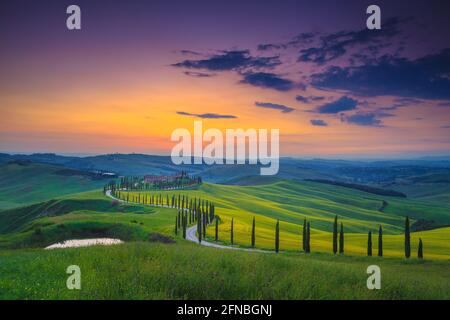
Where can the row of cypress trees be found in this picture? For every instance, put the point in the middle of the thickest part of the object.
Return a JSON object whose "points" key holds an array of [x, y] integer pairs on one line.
{"points": [[180, 202], [180, 180], [182, 220], [203, 212], [338, 238], [380, 240], [338, 243], [306, 234]]}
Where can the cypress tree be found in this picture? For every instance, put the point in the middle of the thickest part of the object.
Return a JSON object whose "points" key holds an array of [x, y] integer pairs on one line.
{"points": [[277, 236], [407, 239], [369, 244], [179, 219], [184, 225], [232, 231], [335, 245], [380, 242], [341, 240], [176, 225], [304, 235], [199, 228], [420, 250], [217, 229], [253, 233], [204, 225], [211, 211], [308, 238]]}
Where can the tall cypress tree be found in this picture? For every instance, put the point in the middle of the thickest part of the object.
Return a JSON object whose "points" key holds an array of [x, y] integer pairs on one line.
{"points": [[407, 239], [176, 225], [232, 231], [204, 225], [184, 225], [308, 238], [179, 219], [335, 236], [341, 239], [253, 233], [369, 244], [420, 250], [380, 241], [217, 229], [199, 227], [304, 235], [277, 236], [212, 211]]}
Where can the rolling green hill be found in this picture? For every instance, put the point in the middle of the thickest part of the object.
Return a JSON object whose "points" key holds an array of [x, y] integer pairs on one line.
{"points": [[156, 264], [291, 202], [79, 216], [23, 183]]}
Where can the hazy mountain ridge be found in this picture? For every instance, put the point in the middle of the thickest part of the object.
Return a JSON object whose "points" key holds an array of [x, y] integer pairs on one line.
{"points": [[386, 173]]}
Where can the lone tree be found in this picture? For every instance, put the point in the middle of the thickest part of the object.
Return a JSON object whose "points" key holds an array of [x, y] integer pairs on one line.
{"points": [[335, 228], [420, 250], [277, 236], [253, 233], [407, 239], [380, 242], [369, 244], [341, 240], [232, 231], [304, 235], [217, 229]]}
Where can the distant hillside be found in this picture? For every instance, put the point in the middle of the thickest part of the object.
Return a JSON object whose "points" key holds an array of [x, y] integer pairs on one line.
{"points": [[24, 182], [141, 164], [373, 190], [252, 180]]}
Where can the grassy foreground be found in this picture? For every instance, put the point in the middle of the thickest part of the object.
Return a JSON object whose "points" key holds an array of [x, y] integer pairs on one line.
{"points": [[187, 271]]}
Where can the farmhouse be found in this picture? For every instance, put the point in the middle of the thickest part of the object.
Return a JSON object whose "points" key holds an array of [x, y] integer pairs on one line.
{"points": [[156, 178]]}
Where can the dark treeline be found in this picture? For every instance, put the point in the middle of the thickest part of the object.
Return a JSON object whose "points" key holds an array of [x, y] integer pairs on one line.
{"points": [[369, 189], [180, 180]]}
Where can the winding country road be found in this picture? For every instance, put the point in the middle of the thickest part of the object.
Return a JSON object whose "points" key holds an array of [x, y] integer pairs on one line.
{"points": [[191, 232]]}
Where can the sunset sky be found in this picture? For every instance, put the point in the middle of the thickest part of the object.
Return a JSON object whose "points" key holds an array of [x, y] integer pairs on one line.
{"points": [[137, 70]]}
